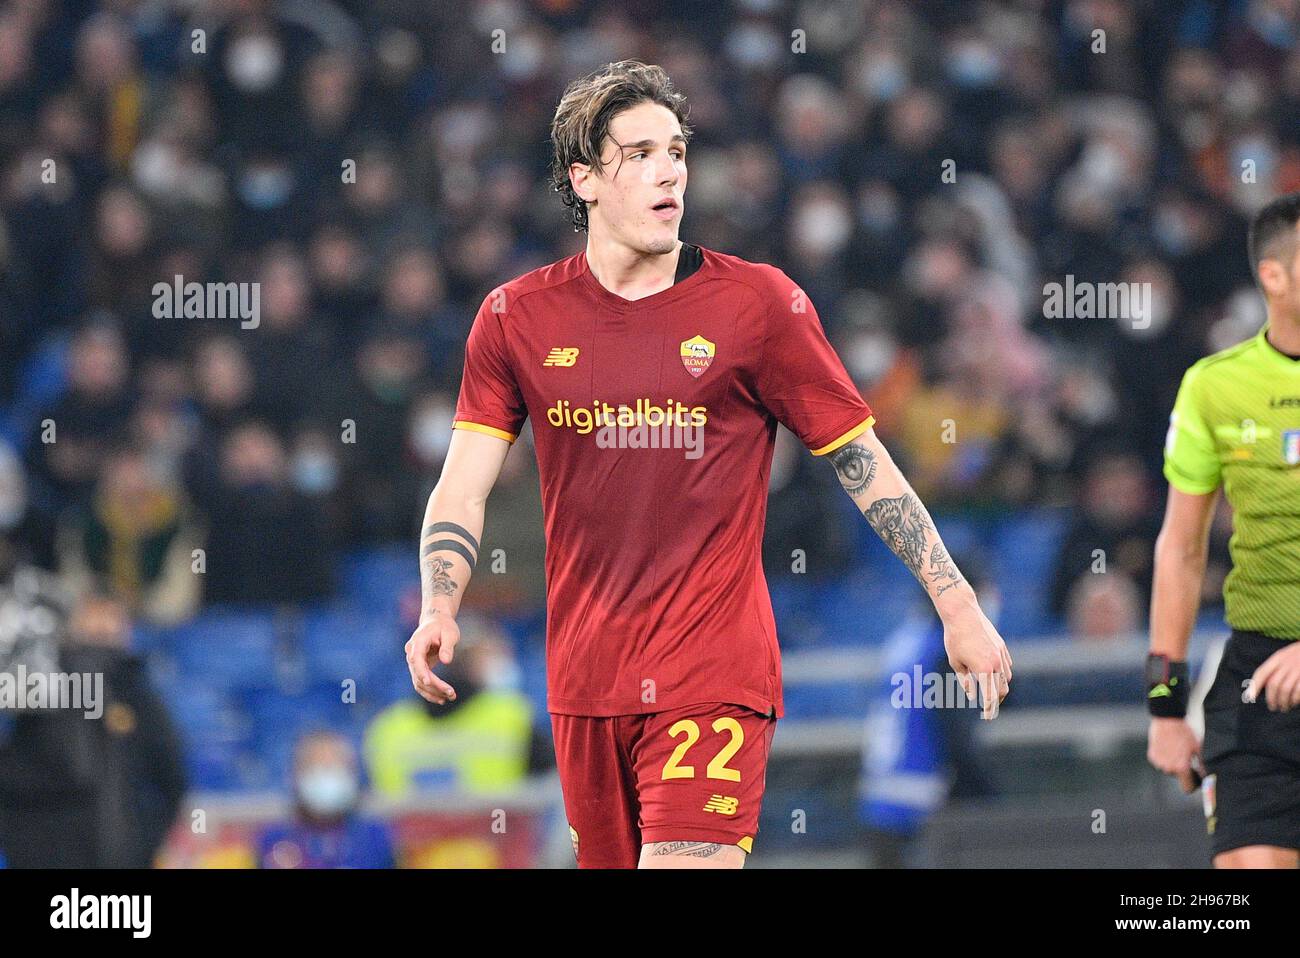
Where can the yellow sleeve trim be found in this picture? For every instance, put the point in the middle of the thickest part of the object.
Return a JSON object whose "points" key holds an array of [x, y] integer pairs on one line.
{"points": [[853, 433], [746, 843], [486, 430], [1185, 484]]}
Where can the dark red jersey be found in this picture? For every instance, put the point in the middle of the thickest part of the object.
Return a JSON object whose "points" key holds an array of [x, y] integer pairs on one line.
{"points": [[654, 422]]}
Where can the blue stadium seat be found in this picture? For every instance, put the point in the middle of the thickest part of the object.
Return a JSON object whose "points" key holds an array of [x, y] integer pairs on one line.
{"points": [[1025, 548], [217, 766], [280, 716], [226, 648], [343, 641], [374, 579], [825, 700]]}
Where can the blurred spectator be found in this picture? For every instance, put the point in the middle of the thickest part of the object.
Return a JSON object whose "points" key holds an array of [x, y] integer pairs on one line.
{"points": [[479, 743], [26, 531], [1104, 607], [137, 538], [72, 436], [1114, 530], [292, 346], [86, 790], [265, 541], [377, 399], [359, 167], [327, 831]]}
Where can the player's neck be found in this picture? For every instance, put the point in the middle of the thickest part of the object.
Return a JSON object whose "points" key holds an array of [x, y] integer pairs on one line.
{"points": [[1283, 334], [629, 273]]}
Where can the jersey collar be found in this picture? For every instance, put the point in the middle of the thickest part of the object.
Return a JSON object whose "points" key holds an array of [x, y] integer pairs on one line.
{"points": [[1275, 355], [614, 301]]}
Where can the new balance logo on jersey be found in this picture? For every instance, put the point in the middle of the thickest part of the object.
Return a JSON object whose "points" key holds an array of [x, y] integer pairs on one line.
{"points": [[722, 804], [561, 356]]}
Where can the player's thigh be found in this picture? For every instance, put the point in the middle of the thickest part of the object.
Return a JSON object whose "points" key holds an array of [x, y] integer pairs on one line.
{"points": [[700, 774], [1258, 856], [692, 855], [599, 789]]}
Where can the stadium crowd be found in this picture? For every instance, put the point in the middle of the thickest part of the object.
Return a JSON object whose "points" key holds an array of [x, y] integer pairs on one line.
{"points": [[923, 169]]}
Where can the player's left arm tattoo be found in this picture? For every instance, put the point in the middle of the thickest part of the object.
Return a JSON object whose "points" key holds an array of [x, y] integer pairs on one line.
{"points": [[942, 572], [903, 524], [893, 510], [855, 465]]}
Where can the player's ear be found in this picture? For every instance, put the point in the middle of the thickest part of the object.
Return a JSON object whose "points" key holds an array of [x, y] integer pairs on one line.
{"points": [[1272, 277], [579, 174]]}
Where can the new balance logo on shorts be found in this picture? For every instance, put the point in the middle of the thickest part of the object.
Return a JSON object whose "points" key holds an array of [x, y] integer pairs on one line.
{"points": [[722, 804]]}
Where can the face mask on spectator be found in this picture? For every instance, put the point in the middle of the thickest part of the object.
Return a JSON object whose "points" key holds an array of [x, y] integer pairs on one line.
{"points": [[878, 211], [822, 228], [265, 187], [431, 436], [315, 472], [974, 65], [1172, 230], [1260, 151], [254, 63], [869, 356], [1159, 312], [883, 78], [328, 791]]}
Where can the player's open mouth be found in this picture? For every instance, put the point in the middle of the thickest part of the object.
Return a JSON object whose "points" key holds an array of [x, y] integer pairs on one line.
{"points": [[666, 208]]}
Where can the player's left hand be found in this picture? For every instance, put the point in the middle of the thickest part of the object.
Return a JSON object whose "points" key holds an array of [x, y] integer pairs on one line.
{"points": [[1278, 680], [978, 655]]}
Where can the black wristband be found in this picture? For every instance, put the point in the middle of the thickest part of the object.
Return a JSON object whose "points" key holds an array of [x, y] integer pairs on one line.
{"points": [[1168, 687]]}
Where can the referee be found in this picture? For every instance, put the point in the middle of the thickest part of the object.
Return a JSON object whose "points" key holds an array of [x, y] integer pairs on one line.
{"points": [[1236, 425]]}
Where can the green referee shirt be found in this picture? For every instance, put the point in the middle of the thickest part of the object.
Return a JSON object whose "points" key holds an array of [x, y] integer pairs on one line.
{"points": [[1237, 422]]}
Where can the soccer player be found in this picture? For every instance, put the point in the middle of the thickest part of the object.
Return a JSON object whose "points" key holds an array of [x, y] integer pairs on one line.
{"points": [[1236, 425], [655, 374]]}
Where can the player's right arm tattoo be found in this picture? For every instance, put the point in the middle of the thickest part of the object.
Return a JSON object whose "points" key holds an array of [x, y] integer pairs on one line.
{"points": [[435, 558]]}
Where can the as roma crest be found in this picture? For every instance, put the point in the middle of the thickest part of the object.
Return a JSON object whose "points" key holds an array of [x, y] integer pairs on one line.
{"points": [[697, 355]]}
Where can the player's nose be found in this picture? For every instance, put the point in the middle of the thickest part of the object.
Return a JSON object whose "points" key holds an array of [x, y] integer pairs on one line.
{"points": [[668, 172]]}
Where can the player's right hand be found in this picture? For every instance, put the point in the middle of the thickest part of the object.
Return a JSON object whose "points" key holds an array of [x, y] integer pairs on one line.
{"points": [[1171, 747], [436, 637]]}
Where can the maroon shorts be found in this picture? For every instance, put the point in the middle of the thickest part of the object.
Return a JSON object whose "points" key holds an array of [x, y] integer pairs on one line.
{"points": [[693, 774]]}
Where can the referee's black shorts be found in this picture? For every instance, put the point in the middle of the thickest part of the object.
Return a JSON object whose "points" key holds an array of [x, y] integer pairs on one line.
{"points": [[1251, 755]]}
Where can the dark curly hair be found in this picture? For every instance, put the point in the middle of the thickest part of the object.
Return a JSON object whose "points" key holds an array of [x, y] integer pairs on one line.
{"points": [[586, 110]]}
